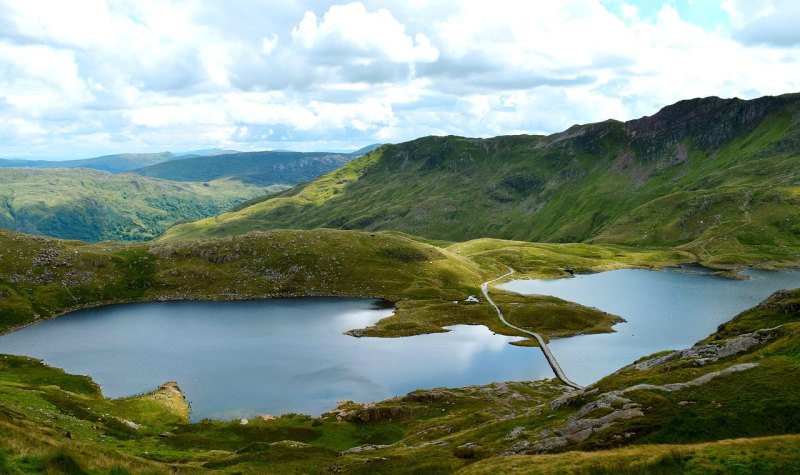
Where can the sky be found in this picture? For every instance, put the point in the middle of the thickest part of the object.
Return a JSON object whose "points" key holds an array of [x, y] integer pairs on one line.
{"points": [[83, 78]]}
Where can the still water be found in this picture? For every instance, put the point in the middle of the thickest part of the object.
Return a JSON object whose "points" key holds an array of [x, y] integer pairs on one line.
{"points": [[663, 310], [241, 359]]}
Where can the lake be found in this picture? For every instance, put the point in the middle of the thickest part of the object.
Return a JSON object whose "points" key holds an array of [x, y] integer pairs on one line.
{"points": [[663, 310], [241, 359]]}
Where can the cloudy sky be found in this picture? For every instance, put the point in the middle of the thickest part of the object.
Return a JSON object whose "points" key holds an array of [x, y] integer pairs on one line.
{"points": [[82, 78]]}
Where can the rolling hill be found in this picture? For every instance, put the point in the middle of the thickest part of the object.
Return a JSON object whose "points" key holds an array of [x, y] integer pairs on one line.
{"points": [[718, 177], [111, 163], [257, 168], [94, 205]]}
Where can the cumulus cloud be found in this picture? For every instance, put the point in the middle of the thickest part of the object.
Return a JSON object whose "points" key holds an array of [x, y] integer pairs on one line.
{"points": [[106, 76], [766, 22], [352, 35]]}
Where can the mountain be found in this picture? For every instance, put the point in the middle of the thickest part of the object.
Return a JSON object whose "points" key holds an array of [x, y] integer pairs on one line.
{"points": [[205, 152], [94, 205], [111, 163], [366, 150], [257, 168], [718, 177]]}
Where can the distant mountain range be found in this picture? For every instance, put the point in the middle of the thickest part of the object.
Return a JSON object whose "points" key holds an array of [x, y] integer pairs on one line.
{"points": [[259, 168], [94, 199], [718, 177], [110, 163], [125, 162]]}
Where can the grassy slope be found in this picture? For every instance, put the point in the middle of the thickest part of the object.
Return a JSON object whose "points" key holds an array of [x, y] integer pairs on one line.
{"points": [[95, 206], [440, 430], [682, 177], [42, 277], [257, 168]]}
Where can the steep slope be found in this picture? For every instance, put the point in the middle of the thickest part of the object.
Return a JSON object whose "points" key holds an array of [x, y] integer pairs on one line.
{"points": [[111, 163], [259, 168], [717, 176], [94, 205]]}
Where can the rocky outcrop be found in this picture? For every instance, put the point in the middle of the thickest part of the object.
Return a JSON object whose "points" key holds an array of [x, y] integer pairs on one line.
{"points": [[366, 413], [708, 123], [611, 406], [703, 354]]}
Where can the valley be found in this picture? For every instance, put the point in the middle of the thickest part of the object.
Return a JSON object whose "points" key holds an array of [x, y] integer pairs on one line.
{"points": [[427, 227], [136, 197]]}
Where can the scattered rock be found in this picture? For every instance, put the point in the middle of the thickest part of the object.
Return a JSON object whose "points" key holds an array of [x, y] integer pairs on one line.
{"points": [[515, 433], [703, 354], [364, 448], [130, 424]]}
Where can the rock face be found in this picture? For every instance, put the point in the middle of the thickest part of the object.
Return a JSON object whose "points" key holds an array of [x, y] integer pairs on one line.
{"points": [[580, 427], [703, 354], [709, 122]]}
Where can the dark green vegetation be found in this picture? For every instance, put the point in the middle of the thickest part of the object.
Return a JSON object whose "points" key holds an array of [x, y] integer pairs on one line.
{"points": [[111, 163], [717, 178], [256, 168], [95, 206], [664, 414]]}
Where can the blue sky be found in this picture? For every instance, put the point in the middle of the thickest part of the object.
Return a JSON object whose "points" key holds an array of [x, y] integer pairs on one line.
{"points": [[92, 77], [708, 14]]}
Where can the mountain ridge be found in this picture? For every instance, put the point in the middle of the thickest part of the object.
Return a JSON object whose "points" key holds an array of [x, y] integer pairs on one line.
{"points": [[258, 168], [585, 184]]}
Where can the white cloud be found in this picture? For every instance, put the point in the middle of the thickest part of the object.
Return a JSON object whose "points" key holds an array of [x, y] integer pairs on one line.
{"points": [[140, 75], [269, 44], [766, 22], [351, 34]]}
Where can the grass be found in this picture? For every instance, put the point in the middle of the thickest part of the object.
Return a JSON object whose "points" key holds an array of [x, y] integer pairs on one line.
{"points": [[94, 205], [596, 183], [744, 456], [648, 201], [54, 421], [427, 283]]}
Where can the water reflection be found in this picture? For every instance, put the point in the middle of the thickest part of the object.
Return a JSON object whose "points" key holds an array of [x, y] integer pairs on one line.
{"points": [[664, 310], [239, 359]]}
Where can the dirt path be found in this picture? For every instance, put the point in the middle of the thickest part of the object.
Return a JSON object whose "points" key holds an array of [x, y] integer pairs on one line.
{"points": [[551, 359]]}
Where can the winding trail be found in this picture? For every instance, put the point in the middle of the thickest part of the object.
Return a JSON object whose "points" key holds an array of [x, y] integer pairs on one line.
{"points": [[551, 359]]}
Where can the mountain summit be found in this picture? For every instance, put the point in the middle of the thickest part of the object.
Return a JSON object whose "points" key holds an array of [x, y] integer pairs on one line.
{"points": [[682, 176]]}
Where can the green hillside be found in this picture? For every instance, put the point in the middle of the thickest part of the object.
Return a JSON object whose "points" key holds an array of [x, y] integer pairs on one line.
{"points": [[717, 177], [39, 277], [111, 163], [258, 168], [727, 405], [94, 206]]}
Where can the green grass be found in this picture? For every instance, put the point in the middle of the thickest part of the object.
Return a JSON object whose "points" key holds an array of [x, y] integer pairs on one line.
{"points": [[51, 420], [93, 205], [596, 183], [428, 284], [740, 456]]}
